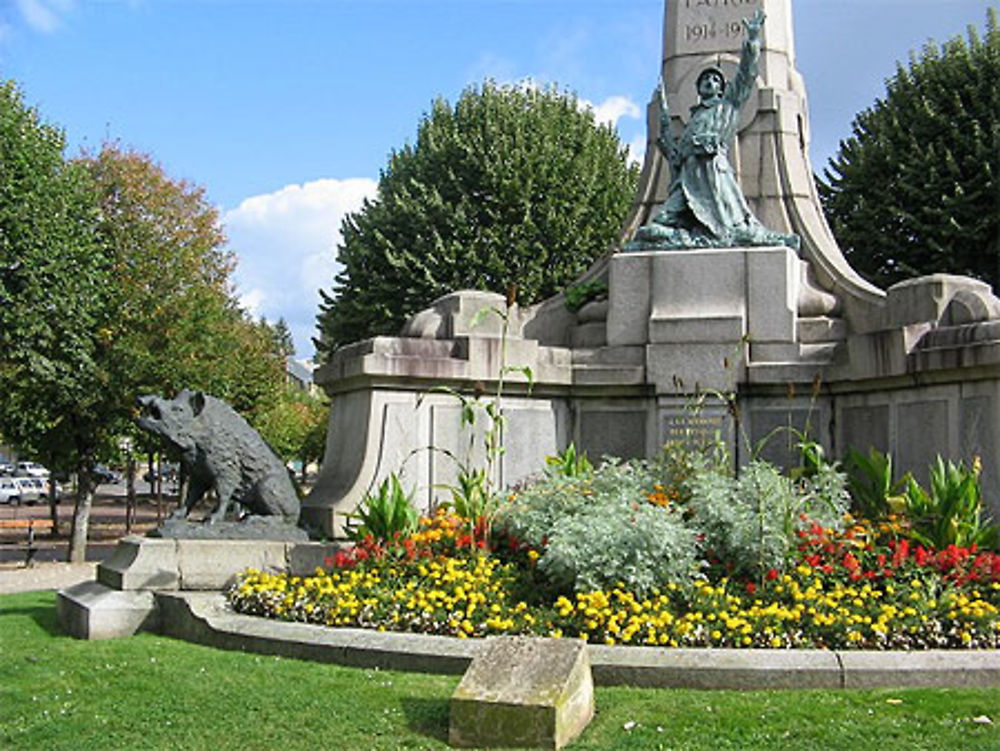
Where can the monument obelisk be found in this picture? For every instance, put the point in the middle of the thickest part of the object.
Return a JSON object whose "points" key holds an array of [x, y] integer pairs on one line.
{"points": [[771, 156]]}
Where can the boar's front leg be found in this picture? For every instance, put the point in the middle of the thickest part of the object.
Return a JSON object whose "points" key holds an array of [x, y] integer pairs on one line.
{"points": [[226, 485], [197, 487]]}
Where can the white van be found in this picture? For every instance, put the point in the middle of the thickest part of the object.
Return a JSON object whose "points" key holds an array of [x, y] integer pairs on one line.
{"points": [[10, 491], [32, 469]]}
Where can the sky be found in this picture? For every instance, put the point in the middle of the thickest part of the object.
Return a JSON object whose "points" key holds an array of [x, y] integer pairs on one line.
{"points": [[285, 111]]}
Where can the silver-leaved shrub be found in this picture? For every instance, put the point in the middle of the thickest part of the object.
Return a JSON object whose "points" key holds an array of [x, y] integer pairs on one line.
{"points": [[602, 530], [751, 521]]}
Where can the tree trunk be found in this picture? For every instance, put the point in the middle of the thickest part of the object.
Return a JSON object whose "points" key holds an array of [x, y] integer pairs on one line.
{"points": [[53, 507], [159, 484], [81, 517], [152, 487], [129, 493], [182, 485]]}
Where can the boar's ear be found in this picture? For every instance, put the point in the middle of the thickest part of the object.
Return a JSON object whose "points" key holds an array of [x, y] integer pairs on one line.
{"points": [[197, 401]]}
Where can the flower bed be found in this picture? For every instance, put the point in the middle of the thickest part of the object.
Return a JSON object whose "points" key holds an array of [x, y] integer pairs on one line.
{"points": [[848, 590], [674, 553]]}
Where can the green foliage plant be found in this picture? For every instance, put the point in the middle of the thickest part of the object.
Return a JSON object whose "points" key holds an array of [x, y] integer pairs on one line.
{"points": [[475, 494], [386, 514], [874, 493], [578, 295], [914, 189], [569, 463], [950, 511], [508, 185]]}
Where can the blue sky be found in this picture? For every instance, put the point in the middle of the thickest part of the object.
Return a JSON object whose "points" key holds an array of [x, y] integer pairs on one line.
{"points": [[286, 111]]}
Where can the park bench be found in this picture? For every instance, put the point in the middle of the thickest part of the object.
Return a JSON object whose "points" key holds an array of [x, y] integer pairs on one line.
{"points": [[30, 526]]}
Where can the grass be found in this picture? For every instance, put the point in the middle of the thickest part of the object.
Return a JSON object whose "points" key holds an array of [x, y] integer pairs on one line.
{"points": [[152, 692]]}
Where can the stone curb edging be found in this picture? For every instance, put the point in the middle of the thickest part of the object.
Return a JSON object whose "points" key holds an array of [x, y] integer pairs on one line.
{"points": [[204, 617]]}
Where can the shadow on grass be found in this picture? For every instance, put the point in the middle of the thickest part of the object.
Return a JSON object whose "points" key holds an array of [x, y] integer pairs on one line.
{"points": [[41, 608], [429, 717]]}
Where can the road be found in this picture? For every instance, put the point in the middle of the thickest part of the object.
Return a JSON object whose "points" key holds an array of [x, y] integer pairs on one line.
{"points": [[107, 524]]}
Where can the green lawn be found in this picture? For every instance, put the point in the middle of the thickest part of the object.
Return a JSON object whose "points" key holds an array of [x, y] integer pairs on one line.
{"points": [[151, 692]]}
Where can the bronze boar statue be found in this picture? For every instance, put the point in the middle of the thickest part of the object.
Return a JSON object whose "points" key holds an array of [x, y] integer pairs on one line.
{"points": [[220, 450]]}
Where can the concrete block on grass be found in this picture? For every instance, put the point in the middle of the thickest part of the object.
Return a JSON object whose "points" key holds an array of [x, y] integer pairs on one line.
{"points": [[523, 692], [91, 610]]}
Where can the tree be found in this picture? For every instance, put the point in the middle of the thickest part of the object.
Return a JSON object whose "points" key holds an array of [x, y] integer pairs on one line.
{"points": [[282, 336], [295, 426], [114, 284], [54, 276], [511, 186], [176, 324], [916, 188]]}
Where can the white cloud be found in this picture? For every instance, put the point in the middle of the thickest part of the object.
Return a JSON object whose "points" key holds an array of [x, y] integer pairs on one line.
{"points": [[637, 149], [613, 109], [44, 15], [286, 244], [252, 301]]}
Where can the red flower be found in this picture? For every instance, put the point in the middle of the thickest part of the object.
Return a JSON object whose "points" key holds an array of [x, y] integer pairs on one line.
{"points": [[901, 552], [751, 588], [772, 574], [850, 562], [344, 559]]}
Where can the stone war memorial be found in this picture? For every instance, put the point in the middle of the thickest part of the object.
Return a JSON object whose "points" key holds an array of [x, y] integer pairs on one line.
{"points": [[726, 288]]}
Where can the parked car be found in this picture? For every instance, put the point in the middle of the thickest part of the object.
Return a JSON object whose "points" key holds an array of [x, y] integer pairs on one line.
{"points": [[10, 491], [6, 468], [43, 488], [168, 473], [105, 475], [30, 489], [31, 469]]}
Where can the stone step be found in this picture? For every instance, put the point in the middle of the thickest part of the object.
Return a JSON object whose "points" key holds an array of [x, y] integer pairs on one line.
{"points": [[635, 355]]}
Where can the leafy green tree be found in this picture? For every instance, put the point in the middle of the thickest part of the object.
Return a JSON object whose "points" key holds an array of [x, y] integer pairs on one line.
{"points": [[176, 323], [916, 188], [510, 186], [114, 283], [54, 301], [295, 426], [283, 342]]}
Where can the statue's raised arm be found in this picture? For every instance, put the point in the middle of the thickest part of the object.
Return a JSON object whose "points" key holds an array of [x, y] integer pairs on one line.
{"points": [[754, 25], [742, 83]]}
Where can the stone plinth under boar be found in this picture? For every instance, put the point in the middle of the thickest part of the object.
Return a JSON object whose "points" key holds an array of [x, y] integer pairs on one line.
{"points": [[523, 692]]}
